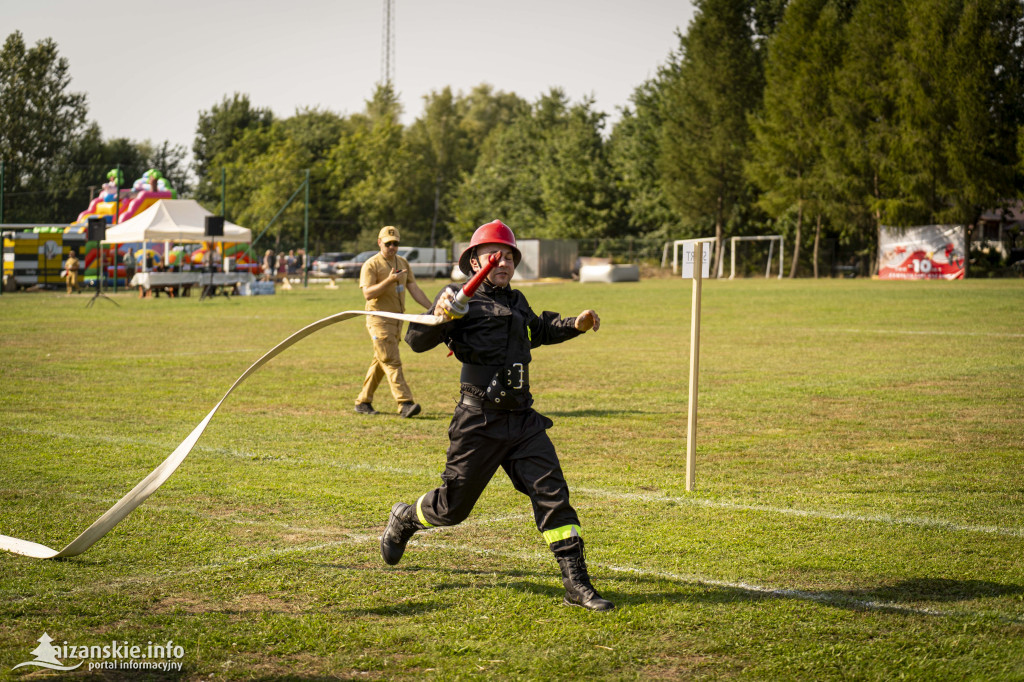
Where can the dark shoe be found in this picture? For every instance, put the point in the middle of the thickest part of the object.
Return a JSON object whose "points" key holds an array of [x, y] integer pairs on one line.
{"points": [[402, 524], [578, 590], [365, 408], [409, 410]]}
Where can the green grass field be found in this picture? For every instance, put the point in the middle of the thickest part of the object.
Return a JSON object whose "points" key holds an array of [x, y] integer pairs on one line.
{"points": [[859, 511]]}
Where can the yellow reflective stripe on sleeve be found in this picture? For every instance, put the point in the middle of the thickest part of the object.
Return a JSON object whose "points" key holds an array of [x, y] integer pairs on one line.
{"points": [[419, 511], [563, 533]]}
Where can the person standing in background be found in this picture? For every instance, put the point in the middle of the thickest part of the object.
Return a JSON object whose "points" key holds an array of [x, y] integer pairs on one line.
{"points": [[71, 271], [384, 279]]}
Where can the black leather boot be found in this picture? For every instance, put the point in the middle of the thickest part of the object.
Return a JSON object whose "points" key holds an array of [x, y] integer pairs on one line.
{"points": [[401, 525], [578, 590]]}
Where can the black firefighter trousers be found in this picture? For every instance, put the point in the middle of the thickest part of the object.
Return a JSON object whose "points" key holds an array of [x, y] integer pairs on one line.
{"points": [[481, 440]]}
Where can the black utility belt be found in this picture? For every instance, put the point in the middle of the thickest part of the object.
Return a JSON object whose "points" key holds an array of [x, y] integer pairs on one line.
{"points": [[473, 401], [503, 386], [506, 405], [515, 376]]}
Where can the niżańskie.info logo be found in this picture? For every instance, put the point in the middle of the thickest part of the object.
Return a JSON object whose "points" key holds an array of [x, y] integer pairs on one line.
{"points": [[113, 656]]}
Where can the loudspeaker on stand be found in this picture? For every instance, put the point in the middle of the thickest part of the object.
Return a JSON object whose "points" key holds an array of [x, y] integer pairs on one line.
{"points": [[214, 226], [96, 230]]}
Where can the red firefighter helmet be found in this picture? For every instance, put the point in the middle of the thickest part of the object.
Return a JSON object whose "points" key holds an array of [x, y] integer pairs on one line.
{"points": [[494, 232]]}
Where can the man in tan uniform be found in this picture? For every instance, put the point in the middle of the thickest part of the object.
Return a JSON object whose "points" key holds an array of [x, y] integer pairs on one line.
{"points": [[384, 280], [71, 272]]}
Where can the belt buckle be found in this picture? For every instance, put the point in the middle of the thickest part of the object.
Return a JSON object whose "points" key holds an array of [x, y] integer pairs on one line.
{"points": [[522, 373]]}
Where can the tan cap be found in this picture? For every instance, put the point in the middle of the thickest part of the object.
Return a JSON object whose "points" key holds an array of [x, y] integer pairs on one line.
{"points": [[388, 233]]}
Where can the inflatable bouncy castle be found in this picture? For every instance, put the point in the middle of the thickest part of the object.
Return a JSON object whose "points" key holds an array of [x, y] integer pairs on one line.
{"points": [[128, 202], [36, 256], [117, 205]]}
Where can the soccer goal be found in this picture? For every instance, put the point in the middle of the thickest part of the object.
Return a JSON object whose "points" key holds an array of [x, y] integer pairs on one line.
{"points": [[753, 259]]}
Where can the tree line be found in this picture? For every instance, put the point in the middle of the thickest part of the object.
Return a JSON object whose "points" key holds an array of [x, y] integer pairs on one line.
{"points": [[816, 119]]}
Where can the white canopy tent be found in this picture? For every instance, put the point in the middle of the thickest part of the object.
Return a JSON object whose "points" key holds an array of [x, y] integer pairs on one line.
{"points": [[175, 220]]}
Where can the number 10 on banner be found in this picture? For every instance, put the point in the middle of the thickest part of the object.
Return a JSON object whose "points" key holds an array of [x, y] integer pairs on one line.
{"points": [[694, 252]]}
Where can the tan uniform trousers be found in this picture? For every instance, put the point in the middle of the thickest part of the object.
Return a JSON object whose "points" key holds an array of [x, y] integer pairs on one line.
{"points": [[386, 362]]}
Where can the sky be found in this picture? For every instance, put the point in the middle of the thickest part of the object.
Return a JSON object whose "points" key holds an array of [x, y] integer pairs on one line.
{"points": [[150, 68]]}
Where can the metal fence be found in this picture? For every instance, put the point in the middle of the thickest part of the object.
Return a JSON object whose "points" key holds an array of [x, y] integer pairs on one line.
{"points": [[834, 259]]}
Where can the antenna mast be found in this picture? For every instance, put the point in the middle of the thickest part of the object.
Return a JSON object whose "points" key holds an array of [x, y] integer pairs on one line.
{"points": [[387, 49]]}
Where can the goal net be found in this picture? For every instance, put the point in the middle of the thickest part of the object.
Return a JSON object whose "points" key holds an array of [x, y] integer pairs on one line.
{"points": [[755, 256]]}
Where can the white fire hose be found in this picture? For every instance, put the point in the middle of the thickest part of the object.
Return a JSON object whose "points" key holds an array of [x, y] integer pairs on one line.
{"points": [[151, 483]]}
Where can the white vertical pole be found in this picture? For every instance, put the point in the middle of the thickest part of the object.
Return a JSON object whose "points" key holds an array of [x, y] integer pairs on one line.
{"points": [[691, 421], [782, 247], [768, 268]]}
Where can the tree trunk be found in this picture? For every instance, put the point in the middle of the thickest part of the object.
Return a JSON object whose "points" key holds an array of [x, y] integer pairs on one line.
{"points": [[968, 238], [817, 242], [796, 239], [873, 266], [718, 239]]}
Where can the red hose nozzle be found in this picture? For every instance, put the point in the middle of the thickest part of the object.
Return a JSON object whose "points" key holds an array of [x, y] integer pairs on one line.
{"points": [[460, 304]]}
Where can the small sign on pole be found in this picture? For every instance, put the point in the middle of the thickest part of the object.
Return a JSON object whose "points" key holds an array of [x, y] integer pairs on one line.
{"points": [[693, 252], [691, 249]]}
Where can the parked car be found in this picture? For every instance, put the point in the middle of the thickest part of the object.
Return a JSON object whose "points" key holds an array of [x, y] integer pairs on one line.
{"points": [[424, 262], [326, 264]]}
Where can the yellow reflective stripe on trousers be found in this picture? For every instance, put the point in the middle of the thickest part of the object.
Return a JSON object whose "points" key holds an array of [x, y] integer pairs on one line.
{"points": [[419, 512], [563, 533]]}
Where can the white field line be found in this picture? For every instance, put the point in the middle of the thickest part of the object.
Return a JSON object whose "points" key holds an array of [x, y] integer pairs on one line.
{"points": [[830, 598], [886, 519], [827, 598], [911, 332], [422, 542]]}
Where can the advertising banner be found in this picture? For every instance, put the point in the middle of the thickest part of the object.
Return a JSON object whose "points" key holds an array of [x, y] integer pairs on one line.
{"points": [[925, 252]]}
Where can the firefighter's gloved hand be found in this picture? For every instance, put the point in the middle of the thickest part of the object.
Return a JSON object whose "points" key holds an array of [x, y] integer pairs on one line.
{"points": [[443, 306], [588, 320]]}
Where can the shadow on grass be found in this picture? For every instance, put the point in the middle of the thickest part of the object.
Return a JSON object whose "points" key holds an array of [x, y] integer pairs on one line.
{"points": [[905, 596], [403, 609], [553, 590], [596, 413], [548, 584], [936, 589]]}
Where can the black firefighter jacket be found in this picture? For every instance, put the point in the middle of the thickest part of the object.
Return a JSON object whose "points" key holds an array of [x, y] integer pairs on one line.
{"points": [[496, 333]]}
